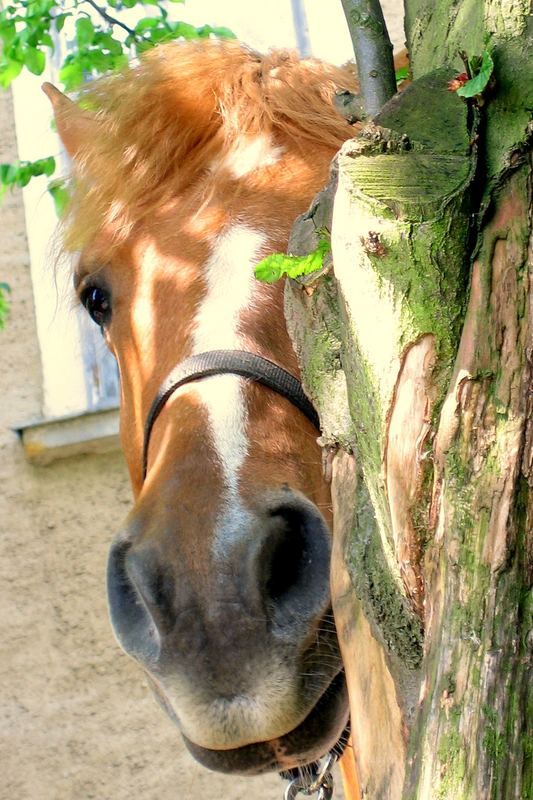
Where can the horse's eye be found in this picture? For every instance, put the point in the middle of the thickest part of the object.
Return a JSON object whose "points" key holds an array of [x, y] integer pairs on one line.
{"points": [[97, 303]]}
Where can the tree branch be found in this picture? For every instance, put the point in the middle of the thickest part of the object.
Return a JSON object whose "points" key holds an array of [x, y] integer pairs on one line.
{"points": [[112, 20], [373, 53]]}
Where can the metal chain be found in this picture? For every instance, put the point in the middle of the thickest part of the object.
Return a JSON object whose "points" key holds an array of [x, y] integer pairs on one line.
{"points": [[321, 785]]}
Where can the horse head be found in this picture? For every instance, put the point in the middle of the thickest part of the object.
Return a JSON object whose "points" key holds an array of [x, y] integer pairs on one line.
{"points": [[188, 170]]}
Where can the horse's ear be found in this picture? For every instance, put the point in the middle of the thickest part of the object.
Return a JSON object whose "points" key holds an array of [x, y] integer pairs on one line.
{"points": [[74, 126]]}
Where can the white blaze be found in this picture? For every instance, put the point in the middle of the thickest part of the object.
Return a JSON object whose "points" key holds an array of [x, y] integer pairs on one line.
{"points": [[268, 708], [230, 284]]}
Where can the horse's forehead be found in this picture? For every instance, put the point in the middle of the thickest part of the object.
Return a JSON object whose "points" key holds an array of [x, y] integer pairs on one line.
{"points": [[173, 242]]}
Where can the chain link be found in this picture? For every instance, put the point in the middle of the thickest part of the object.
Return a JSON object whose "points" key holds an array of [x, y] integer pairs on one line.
{"points": [[321, 785]]}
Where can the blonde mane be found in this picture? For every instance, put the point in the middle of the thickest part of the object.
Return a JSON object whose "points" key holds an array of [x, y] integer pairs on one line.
{"points": [[186, 105]]}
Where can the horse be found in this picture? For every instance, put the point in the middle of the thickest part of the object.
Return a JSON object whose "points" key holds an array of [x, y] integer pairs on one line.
{"points": [[189, 168]]}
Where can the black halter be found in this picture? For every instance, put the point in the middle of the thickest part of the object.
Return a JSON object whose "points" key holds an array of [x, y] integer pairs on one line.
{"points": [[223, 362]]}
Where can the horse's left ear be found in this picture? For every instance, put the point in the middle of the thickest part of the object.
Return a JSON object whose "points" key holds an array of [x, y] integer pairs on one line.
{"points": [[75, 127]]}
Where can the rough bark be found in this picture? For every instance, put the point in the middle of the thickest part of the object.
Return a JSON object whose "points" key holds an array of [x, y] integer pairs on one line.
{"points": [[418, 351]]}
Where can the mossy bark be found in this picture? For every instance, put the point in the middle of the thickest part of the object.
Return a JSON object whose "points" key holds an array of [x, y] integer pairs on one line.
{"points": [[417, 350]]}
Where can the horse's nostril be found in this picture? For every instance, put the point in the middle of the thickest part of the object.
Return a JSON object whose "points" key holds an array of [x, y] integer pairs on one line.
{"points": [[134, 626], [154, 586], [285, 560], [294, 563]]}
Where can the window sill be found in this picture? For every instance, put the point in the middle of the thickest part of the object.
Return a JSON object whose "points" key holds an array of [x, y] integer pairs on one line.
{"points": [[48, 440]]}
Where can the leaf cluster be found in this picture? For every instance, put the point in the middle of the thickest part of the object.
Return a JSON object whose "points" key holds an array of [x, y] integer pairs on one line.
{"points": [[101, 40], [26, 28], [481, 69], [279, 265], [479, 72], [21, 173]]}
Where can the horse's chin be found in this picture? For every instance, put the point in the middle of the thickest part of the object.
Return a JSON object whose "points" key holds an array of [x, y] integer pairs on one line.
{"points": [[319, 733]]}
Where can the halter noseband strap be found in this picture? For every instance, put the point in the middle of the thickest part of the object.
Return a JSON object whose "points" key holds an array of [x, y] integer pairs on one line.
{"points": [[232, 362]]}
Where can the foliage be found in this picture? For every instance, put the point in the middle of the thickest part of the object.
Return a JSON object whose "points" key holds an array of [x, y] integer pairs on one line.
{"points": [[101, 39], [277, 265], [478, 75], [21, 173], [402, 74], [480, 70], [60, 196]]}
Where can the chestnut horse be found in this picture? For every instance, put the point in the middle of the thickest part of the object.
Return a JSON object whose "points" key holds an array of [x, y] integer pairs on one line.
{"points": [[188, 170]]}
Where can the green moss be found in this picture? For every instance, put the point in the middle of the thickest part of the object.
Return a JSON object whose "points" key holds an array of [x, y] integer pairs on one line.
{"points": [[493, 741], [317, 331], [394, 623], [527, 769], [451, 754], [475, 675], [323, 360], [419, 194], [506, 719], [437, 31], [509, 110], [413, 114], [450, 745], [365, 408]]}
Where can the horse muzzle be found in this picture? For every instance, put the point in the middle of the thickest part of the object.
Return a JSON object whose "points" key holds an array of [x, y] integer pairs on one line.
{"points": [[242, 651], [325, 729]]}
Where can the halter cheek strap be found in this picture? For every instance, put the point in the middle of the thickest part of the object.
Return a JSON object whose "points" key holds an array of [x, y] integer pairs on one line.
{"points": [[232, 362]]}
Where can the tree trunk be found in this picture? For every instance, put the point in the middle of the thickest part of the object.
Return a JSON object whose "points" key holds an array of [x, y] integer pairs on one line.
{"points": [[418, 352]]}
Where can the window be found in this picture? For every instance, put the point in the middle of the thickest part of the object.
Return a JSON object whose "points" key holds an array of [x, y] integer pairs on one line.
{"points": [[80, 377]]}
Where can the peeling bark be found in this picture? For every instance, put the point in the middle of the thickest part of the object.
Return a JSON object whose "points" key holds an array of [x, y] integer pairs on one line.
{"points": [[375, 707], [406, 447]]}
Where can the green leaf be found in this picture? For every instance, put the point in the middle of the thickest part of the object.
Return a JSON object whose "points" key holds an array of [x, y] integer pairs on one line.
{"points": [[184, 30], [96, 60], [47, 40], [60, 21], [21, 173], [106, 40], [476, 85], [119, 62], [146, 23], [71, 75], [222, 33], [275, 266], [402, 74], [84, 31], [143, 47], [9, 70], [34, 60], [60, 195], [8, 174], [164, 33], [24, 175], [44, 166], [8, 31]]}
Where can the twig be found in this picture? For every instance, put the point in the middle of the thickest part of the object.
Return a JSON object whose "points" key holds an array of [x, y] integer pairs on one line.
{"points": [[112, 20], [373, 53]]}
